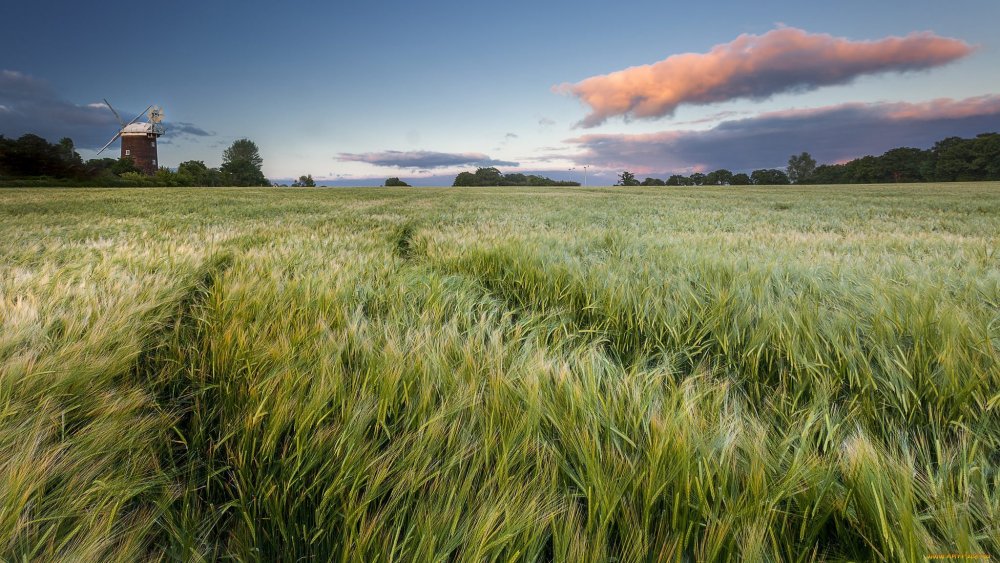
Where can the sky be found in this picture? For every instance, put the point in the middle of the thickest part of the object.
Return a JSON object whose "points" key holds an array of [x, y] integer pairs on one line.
{"points": [[355, 92]]}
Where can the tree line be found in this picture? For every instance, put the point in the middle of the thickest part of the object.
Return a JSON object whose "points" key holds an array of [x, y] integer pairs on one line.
{"points": [[950, 160], [953, 159], [721, 177], [493, 177], [31, 160]]}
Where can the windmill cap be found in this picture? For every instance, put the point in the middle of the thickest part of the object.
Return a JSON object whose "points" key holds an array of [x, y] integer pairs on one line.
{"points": [[141, 129]]}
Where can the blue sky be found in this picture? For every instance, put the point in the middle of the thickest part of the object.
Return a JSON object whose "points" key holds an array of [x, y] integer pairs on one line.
{"points": [[330, 89]]}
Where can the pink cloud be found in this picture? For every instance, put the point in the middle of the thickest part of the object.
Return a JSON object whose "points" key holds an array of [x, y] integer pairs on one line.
{"points": [[756, 67], [938, 108]]}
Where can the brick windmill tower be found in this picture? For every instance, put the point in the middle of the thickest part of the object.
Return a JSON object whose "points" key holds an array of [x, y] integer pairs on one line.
{"points": [[139, 138]]}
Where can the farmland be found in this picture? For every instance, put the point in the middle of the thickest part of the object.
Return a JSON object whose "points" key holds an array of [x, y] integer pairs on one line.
{"points": [[630, 374]]}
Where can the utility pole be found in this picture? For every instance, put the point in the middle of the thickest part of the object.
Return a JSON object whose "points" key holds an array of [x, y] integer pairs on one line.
{"points": [[585, 167]]}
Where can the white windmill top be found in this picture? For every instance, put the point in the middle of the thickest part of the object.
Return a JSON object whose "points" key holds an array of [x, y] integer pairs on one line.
{"points": [[139, 129]]}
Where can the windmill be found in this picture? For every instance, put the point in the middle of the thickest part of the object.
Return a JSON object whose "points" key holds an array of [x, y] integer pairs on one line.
{"points": [[139, 138]]}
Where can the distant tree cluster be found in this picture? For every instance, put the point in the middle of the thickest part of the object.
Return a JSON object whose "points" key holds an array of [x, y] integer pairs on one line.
{"points": [[721, 177], [31, 156], [31, 159], [304, 182], [395, 183], [493, 177], [950, 160]]}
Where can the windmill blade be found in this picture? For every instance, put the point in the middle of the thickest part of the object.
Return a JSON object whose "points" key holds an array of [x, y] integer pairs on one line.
{"points": [[138, 116], [118, 134], [114, 112]]}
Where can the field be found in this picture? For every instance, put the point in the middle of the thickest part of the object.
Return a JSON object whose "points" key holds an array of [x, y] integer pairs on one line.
{"points": [[627, 374]]}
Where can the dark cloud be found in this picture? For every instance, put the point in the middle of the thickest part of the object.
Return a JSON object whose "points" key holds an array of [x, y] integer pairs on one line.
{"points": [[178, 130], [756, 67], [30, 105], [423, 159], [830, 134]]}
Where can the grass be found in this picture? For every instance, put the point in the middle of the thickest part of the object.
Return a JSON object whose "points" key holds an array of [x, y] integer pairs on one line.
{"points": [[766, 374]]}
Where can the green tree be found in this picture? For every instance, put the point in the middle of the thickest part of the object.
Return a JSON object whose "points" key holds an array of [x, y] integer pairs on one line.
{"points": [[740, 179], [241, 164], [124, 165], [194, 173], [769, 177], [99, 167], [829, 174], [304, 182], [395, 183], [967, 159], [864, 170], [516, 179], [31, 155], [697, 179], [627, 178], [719, 177], [800, 167], [903, 164], [167, 178], [678, 180], [488, 177], [986, 156], [653, 182], [465, 179], [71, 159]]}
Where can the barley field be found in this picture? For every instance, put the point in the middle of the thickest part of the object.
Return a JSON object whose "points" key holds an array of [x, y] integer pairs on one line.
{"points": [[616, 374]]}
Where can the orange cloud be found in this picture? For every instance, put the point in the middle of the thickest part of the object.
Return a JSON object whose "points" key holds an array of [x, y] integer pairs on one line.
{"points": [[755, 67]]}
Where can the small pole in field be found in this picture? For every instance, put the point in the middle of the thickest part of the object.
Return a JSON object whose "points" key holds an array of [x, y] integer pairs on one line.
{"points": [[585, 167]]}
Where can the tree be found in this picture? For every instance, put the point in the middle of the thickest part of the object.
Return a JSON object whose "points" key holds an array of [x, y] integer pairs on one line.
{"points": [[71, 159], [967, 159], [697, 179], [719, 177], [493, 177], [653, 182], [516, 179], [123, 166], [769, 177], [801, 167], [488, 177], [864, 170], [395, 183], [903, 164], [194, 173], [167, 178], [241, 164], [740, 179], [465, 179], [304, 182], [986, 156], [678, 180], [31, 155], [99, 167], [829, 174], [627, 178]]}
